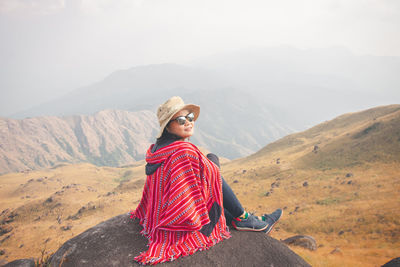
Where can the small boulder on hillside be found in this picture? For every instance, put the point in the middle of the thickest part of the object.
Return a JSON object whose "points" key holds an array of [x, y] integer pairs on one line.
{"points": [[304, 241], [275, 184], [117, 241], [4, 229], [337, 250], [349, 174]]}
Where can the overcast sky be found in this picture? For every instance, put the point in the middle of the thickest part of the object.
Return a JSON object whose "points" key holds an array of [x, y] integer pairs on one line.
{"points": [[49, 47]]}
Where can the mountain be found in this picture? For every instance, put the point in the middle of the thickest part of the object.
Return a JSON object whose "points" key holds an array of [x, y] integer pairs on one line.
{"points": [[308, 84], [115, 138], [349, 140], [337, 181], [134, 89], [108, 137], [314, 84]]}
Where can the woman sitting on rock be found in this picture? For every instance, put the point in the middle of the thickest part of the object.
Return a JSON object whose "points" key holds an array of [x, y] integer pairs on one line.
{"points": [[186, 204]]}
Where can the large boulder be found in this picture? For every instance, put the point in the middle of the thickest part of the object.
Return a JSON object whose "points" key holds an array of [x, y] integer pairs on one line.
{"points": [[117, 241], [21, 263], [393, 263]]}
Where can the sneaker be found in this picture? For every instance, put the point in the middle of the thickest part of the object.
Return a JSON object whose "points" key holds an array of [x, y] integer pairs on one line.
{"points": [[271, 220], [252, 223]]}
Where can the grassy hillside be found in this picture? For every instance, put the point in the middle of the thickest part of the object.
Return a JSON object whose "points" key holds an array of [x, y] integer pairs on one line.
{"points": [[342, 192], [40, 210]]}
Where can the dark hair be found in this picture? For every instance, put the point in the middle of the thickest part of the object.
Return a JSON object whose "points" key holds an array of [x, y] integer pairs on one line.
{"points": [[168, 136]]}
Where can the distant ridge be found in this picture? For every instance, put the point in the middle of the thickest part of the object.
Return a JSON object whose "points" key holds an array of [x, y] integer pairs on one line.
{"points": [[348, 140], [108, 137]]}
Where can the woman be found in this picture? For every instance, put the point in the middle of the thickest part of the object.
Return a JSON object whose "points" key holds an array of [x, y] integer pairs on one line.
{"points": [[186, 204]]}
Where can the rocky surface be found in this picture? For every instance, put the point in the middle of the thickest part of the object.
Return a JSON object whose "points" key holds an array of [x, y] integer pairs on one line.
{"points": [[21, 263], [393, 263], [117, 241]]}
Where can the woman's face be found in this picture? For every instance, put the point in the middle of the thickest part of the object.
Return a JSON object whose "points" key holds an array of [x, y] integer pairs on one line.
{"points": [[183, 131]]}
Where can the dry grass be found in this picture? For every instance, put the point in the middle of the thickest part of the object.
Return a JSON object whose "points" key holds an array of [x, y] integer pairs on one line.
{"points": [[43, 223], [361, 218]]}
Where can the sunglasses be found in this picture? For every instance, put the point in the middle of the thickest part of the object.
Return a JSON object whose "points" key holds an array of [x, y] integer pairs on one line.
{"points": [[181, 120]]}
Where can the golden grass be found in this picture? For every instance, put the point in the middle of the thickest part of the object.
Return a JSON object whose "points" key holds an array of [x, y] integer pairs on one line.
{"points": [[366, 210], [38, 224]]}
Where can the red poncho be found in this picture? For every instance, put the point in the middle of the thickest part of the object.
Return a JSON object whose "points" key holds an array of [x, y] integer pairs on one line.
{"points": [[176, 202]]}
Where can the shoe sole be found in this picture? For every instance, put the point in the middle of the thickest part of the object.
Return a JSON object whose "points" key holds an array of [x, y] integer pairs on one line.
{"points": [[270, 229], [248, 229]]}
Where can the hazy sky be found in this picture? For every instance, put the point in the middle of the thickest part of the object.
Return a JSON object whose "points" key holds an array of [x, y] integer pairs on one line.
{"points": [[49, 47]]}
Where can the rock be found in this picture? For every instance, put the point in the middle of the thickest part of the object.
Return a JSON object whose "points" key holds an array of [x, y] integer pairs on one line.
{"points": [[59, 219], [349, 174], [304, 241], [5, 238], [21, 263], [275, 184], [393, 263], [244, 171], [305, 184], [4, 229], [235, 181], [337, 250], [315, 150], [2, 252], [81, 210], [341, 233], [117, 241], [66, 228], [350, 182]]}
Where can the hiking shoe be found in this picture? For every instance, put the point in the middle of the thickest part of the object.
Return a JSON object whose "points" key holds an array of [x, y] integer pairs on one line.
{"points": [[252, 223], [272, 219]]}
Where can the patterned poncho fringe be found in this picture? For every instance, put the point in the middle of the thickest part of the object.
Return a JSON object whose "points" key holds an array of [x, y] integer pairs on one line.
{"points": [[176, 201]]}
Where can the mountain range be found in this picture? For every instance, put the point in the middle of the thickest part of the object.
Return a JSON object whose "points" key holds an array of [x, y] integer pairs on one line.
{"points": [[116, 138], [108, 137], [311, 85], [248, 98]]}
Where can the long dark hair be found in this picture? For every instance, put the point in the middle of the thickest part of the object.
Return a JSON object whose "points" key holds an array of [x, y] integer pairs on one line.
{"points": [[167, 136]]}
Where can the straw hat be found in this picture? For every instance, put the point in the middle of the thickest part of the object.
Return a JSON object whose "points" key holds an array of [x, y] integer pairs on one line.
{"points": [[166, 111]]}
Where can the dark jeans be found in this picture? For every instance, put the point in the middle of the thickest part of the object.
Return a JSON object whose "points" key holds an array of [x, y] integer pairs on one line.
{"points": [[232, 206]]}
